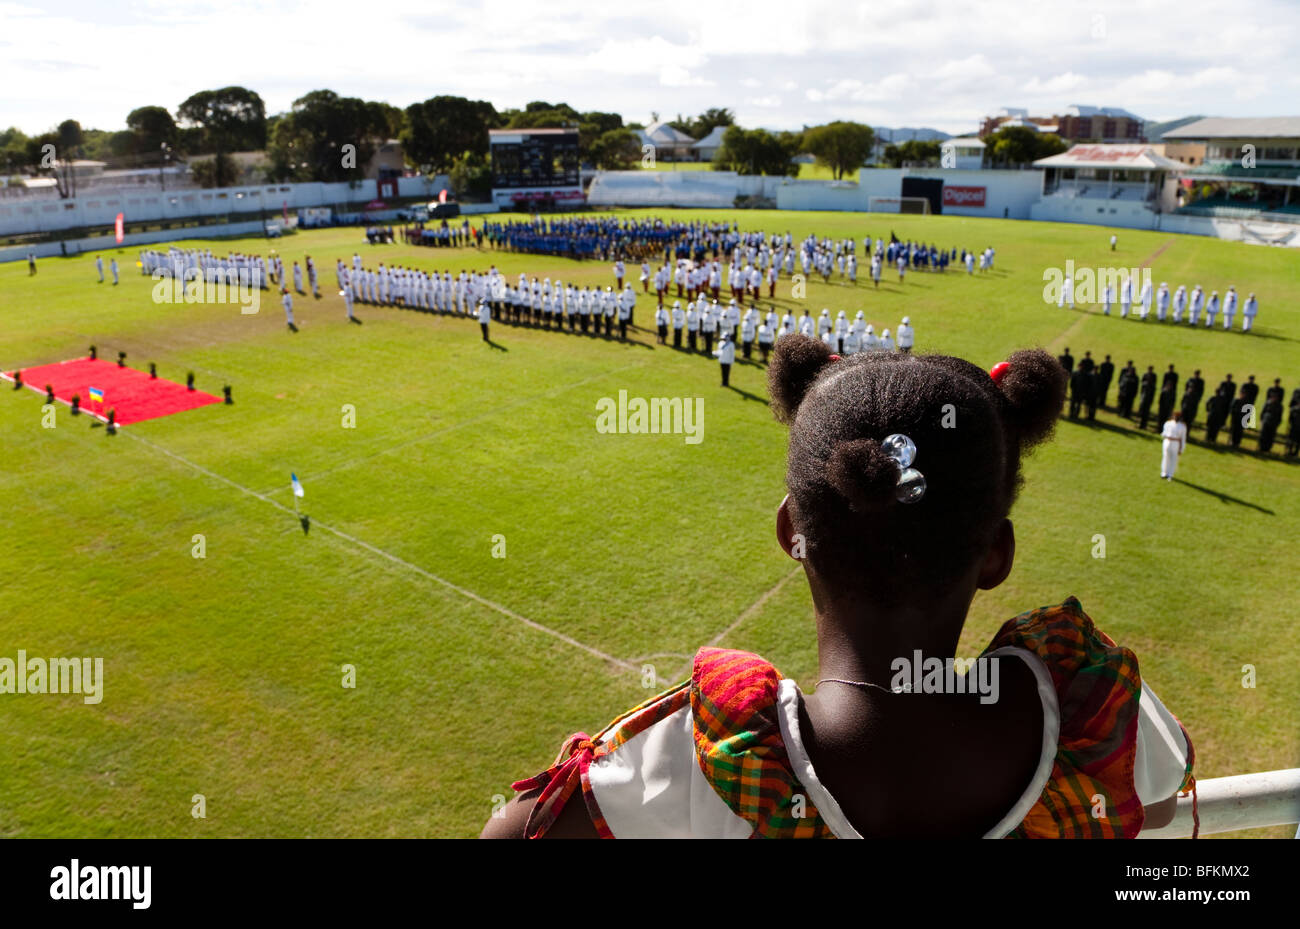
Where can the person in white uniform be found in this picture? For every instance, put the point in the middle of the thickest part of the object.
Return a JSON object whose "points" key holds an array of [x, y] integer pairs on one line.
{"points": [[1174, 435], [726, 355], [287, 301], [1211, 309], [905, 335], [1229, 307], [1248, 311], [1198, 301]]}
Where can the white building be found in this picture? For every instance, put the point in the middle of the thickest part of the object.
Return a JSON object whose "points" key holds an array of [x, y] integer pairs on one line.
{"points": [[1107, 184], [708, 146], [965, 154], [669, 144]]}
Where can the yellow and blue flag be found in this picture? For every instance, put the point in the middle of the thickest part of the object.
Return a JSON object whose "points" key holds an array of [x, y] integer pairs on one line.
{"points": [[96, 395]]}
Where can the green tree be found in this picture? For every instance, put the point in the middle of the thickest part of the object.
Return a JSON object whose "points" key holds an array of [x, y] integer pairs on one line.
{"points": [[1018, 146], [151, 128], [542, 115], [591, 128], [325, 137], [841, 146], [219, 170], [13, 148], [471, 176], [441, 129], [757, 151], [615, 150], [230, 119]]}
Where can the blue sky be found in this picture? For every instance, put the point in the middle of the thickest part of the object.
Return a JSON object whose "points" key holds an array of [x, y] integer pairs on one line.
{"points": [[778, 65]]}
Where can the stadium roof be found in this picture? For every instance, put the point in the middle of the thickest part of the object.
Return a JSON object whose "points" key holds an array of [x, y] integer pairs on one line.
{"points": [[713, 139], [965, 142], [546, 131], [1220, 127], [1075, 109], [1138, 157], [665, 134]]}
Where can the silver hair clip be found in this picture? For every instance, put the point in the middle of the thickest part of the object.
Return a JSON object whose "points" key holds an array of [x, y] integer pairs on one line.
{"points": [[911, 482]]}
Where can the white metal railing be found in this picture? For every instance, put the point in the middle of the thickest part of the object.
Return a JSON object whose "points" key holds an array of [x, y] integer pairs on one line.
{"points": [[1243, 801]]}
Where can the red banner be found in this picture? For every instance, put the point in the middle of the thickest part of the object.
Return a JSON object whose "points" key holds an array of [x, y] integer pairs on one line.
{"points": [[119, 228], [442, 195], [963, 196]]}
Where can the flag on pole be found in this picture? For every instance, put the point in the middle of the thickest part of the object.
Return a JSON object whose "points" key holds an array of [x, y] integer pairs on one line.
{"points": [[96, 395], [442, 195], [119, 227], [297, 488]]}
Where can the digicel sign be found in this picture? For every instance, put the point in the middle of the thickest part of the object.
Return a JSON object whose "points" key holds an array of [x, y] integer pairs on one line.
{"points": [[963, 196]]}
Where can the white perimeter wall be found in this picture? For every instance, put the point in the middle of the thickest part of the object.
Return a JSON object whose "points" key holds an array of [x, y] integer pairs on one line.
{"points": [[108, 243], [21, 215]]}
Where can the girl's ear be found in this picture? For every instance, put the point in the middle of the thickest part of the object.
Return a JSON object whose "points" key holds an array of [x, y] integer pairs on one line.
{"points": [[785, 528], [1000, 557]]}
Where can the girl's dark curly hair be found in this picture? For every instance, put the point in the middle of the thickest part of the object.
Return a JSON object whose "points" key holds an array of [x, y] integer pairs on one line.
{"points": [[970, 434]]}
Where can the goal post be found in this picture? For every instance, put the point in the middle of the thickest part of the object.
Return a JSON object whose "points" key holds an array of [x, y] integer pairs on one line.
{"points": [[914, 205]]}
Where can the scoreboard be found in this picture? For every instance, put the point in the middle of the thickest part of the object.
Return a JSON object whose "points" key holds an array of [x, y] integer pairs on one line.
{"points": [[530, 158]]}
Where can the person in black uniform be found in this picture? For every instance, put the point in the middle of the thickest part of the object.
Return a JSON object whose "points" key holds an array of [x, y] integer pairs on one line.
{"points": [[1269, 420], [1086, 364], [1275, 393], [1168, 395], [1105, 374], [1293, 436], [1066, 360], [1079, 385], [1226, 386], [1193, 390], [1237, 418], [1128, 385], [1250, 390], [1146, 396], [1090, 399], [1216, 414]]}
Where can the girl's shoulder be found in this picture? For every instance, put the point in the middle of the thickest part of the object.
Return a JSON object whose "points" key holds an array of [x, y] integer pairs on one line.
{"points": [[1105, 721]]}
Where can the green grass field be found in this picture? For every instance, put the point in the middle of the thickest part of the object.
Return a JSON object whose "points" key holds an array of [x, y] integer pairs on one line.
{"points": [[223, 675]]}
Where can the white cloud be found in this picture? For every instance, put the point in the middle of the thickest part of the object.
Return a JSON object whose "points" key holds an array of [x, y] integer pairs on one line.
{"points": [[939, 63]]}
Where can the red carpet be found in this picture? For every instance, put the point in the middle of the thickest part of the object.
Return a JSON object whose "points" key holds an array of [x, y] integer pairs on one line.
{"points": [[134, 395]]}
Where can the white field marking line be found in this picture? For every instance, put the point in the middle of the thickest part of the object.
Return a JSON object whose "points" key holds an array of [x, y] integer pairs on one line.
{"points": [[68, 403], [317, 475], [748, 612], [468, 594]]}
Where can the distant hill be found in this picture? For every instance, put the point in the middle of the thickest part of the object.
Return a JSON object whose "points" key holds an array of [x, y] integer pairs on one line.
{"points": [[885, 134], [1155, 131]]}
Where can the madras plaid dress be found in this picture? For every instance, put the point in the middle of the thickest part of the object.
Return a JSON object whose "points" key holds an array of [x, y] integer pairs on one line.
{"points": [[739, 748]]}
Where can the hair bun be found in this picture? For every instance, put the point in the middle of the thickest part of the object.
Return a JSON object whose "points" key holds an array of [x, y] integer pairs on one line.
{"points": [[795, 365], [863, 474], [1034, 387]]}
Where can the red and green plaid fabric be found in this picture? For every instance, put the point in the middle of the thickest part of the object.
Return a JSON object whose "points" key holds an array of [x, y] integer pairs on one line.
{"points": [[733, 700], [568, 773], [739, 747], [1097, 688]]}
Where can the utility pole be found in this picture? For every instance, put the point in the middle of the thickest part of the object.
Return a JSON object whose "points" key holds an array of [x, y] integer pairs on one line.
{"points": [[162, 164]]}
